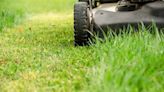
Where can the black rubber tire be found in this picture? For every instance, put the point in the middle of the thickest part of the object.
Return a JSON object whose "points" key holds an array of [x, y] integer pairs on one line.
{"points": [[94, 2], [81, 24], [108, 1], [84, 0]]}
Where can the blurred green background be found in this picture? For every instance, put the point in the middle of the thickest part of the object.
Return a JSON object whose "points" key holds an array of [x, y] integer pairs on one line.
{"points": [[11, 12]]}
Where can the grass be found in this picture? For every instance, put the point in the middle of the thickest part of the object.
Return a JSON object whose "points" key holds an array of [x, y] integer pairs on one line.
{"points": [[129, 63], [11, 13], [37, 54], [9, 18]]}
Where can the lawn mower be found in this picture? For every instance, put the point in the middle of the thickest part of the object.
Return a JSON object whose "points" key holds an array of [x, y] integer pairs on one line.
{"points": [[93, 16]]}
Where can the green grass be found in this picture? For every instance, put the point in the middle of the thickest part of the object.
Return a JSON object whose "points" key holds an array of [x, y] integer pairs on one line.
{"points": [[129, 63], [12, 12], [10, 18], [37, 54]]}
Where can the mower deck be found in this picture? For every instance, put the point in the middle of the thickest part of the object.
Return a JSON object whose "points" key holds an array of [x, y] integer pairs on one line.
{"points": [[90, 19], [105, 16]]}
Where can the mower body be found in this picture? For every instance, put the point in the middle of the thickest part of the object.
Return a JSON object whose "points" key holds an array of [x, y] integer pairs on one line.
{"points": [[106, 16], [92, 17]]}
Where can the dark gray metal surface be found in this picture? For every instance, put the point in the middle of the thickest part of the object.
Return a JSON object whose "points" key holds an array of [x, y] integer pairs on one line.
{"points": [[151, 12]]}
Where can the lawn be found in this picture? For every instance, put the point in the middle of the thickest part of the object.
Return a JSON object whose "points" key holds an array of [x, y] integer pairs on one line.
{"points": [[37, 53]]}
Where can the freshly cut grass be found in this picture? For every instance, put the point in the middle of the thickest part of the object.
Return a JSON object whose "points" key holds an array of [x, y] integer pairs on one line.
{"points": [[38, 55]]}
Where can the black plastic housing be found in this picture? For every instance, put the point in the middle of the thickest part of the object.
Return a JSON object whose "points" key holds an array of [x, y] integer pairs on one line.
{"points": [[149, 13]]}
